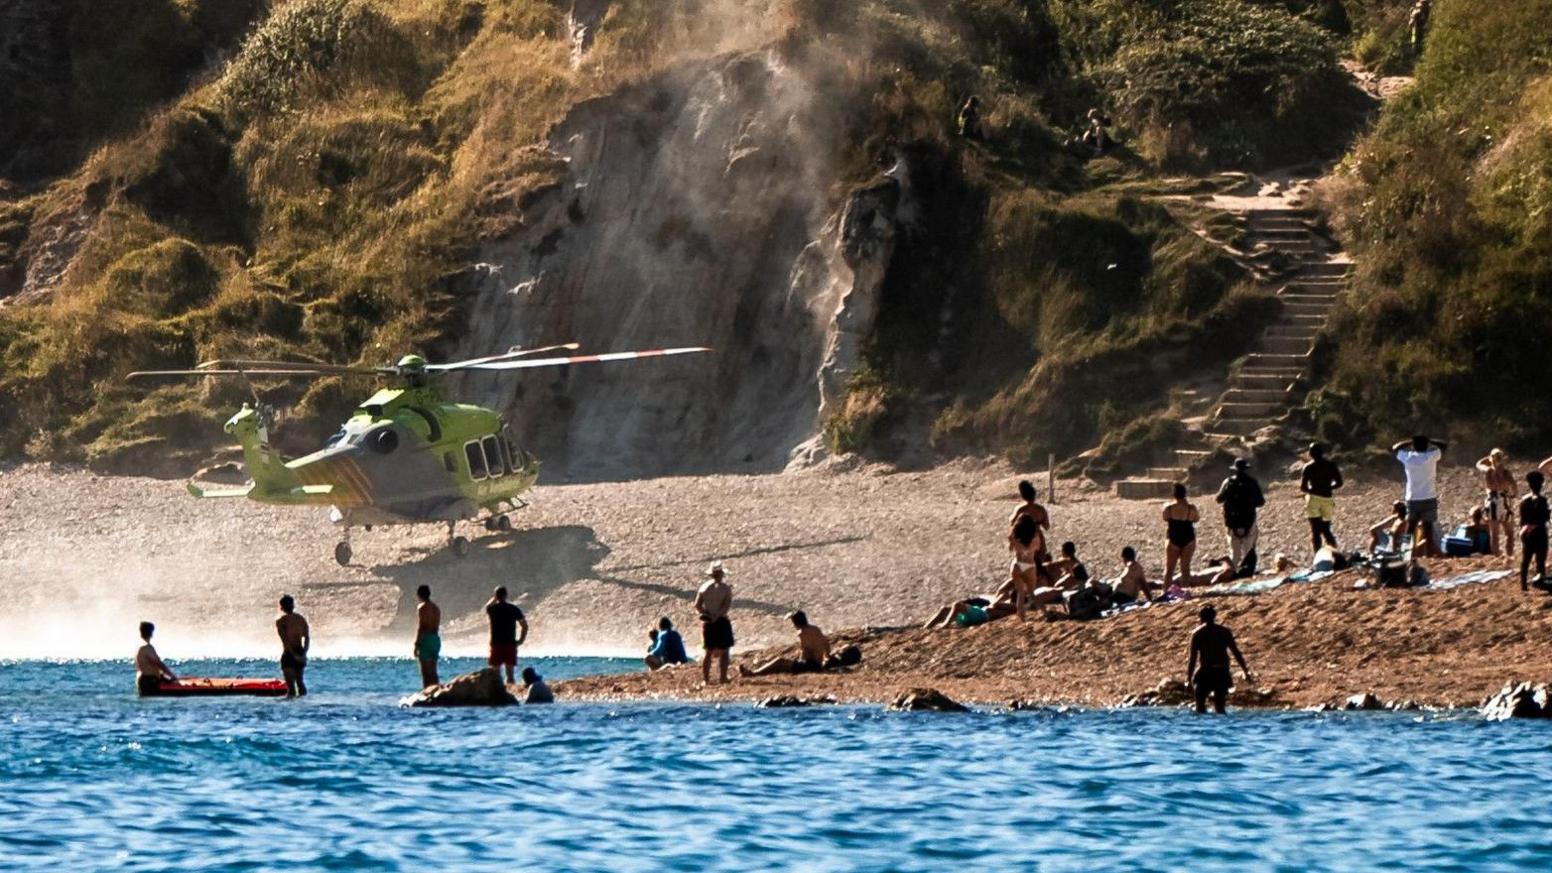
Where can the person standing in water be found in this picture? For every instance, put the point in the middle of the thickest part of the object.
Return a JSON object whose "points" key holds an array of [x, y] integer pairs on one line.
{"points": [[535, 689], [505, 619], [1533, 531], [295, 639], [428, 636], [1318, 482], [1180, 519], [713, 602], [1501, 492], [1211, 645], [149, 669], [1420, 456]]}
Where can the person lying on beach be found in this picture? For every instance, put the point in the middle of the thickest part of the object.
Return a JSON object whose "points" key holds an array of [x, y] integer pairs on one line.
{"points": [[535, 688], [1069, 573], [813, 652], [1132, 585], [149, 669], [975, 610], [667, 646], [1387, 532], [1217, 571]]}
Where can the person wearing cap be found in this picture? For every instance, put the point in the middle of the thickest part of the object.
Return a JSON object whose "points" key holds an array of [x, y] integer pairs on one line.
{"points": [[1211, 645], [1420, 457], [712, 602], [534, 687], [1501, 492], [1240, 496], [1318, 483]]}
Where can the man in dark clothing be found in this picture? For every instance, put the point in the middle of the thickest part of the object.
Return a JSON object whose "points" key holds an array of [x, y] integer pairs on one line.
{"points": [[505, 619], [1212, 643], [1240, 495], [1318, 484], [1533, 532]]}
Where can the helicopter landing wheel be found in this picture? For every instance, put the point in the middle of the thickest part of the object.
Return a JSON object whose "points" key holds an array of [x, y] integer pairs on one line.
{"points": [[342, 554], [460, 546], [490, 524], [503, 524]]}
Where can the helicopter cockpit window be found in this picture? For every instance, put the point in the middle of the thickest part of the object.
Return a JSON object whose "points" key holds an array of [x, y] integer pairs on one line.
{"points": [[476, 459], [493, 457]]}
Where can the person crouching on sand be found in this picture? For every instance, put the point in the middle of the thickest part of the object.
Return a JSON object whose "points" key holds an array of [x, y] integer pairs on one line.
{"points": [[713, 602], [149, 669], [813, 651]]}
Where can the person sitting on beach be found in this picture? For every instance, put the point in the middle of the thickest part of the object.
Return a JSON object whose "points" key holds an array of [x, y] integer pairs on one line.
{"points": [[1211, 644], [667, 646], [534, 687], [1478, 530], [1132, 585], [1388, 531], [1180, 519], [1025, 571], [1069, 573], [1501, 493], [1534, 516], [813, 651], [149, 669]]}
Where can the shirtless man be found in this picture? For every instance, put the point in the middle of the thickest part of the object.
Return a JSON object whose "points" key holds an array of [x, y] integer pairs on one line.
{"points": [[1318, 482], [813, 651], [1132, 585], [428, 636], [1390, 529], [1501, 492], [149, 669], [295, 639], [1070, 575], [1211, 644], [1534, 518], [713, 602]]}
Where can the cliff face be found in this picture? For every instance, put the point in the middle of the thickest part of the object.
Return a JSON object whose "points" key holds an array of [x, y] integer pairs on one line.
{"points": [[698, 208]]}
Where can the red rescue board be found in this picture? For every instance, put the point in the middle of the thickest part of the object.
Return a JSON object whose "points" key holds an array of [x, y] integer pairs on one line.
{"points": [[212, 687]]}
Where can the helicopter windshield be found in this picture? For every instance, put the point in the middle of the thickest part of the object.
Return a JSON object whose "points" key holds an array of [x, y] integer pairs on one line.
{"points": [[339, 437]]}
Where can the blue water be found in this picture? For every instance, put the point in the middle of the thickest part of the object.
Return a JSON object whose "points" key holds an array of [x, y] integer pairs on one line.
{"points": [[92, 778]]}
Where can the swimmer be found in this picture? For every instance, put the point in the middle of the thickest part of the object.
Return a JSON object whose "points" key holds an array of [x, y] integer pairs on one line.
{"points": [[1180, 518], [295, 640], [149, 669], [1211, 644], [428, 637]]}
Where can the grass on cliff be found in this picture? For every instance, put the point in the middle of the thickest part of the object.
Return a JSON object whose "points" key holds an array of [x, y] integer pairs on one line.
{"points": [[1448, 204]]}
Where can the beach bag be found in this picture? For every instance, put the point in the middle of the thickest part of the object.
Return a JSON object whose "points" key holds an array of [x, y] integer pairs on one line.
{"points": [[849, 656], [1087, 602], [1392, 574], [1459, 547]]}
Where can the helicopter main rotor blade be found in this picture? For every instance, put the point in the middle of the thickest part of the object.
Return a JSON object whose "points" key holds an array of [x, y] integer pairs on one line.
{"points": [[288, 374], [292, 366], [505, 356], [580, 359]]}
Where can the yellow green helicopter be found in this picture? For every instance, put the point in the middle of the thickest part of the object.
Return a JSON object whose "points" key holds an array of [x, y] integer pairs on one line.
{"points": [[406, 456]]}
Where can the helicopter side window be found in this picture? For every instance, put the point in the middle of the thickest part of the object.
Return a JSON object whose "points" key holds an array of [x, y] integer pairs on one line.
{"points": [[493, 457], [506, 454], [476, 459]]}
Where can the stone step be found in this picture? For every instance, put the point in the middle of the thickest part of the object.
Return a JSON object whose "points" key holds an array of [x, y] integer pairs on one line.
{"points": [[1144, 489], [1173, 474], [1325, 269], [1276, 360], [1300, 305], [1279, 382], [1283, 345], [1304, 333], [1240, 394], [1279, 222], [1262, 214], [1228, 427], [1189, 458], [1319, 284], [1250, 410], [1262, 231]]}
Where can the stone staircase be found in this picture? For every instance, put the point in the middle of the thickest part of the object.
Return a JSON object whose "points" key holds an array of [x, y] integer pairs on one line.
{"points": [[1266, 383]]}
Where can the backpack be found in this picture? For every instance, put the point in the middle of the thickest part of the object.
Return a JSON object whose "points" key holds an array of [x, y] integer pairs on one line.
{"points": [[1087, 602]]}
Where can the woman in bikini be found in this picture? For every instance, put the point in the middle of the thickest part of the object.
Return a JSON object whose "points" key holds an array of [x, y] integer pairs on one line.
{"points": [[1024, 573], [1180, 517]]}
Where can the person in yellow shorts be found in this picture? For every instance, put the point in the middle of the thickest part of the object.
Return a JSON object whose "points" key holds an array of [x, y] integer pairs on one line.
{"points": [[1319, 483]]}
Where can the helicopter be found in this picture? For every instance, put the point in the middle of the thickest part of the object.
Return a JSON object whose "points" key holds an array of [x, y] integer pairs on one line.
{"points": [[407, 455]]}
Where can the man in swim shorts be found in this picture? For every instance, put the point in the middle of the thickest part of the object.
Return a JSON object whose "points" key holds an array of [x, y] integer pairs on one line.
{"points": [[149, 669], [295, 640], [1318, 482], [428, 636], [1501, 494], [713, 602], [505, 619], [1211, 645]]}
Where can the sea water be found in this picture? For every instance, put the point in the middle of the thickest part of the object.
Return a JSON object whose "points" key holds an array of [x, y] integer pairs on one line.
{"points": [[92, 778]]}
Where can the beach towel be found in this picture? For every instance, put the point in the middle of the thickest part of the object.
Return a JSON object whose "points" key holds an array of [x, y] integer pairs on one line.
{"points": [[1475, 577]]}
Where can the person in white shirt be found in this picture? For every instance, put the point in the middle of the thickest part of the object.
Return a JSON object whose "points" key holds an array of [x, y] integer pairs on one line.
{"points": [[1420, 458]]}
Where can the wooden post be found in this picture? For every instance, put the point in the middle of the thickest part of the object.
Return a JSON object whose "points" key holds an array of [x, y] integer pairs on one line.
{"points": [[1050, 477]]}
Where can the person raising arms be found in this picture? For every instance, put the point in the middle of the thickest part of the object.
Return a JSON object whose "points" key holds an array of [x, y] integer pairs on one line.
{"points": [[1501, 493]]}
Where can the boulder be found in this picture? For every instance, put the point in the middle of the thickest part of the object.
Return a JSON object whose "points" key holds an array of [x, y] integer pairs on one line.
{"points": [[926, 700], [1365, 702], [1518, 700], [1170, 692], [785, 701], [480, 688]]}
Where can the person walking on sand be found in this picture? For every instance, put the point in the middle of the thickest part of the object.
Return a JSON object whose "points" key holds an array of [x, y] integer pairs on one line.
{"points": [[1211, 645], [713, 602], [1180, 519], [295, 639], [1240, 495], [1501, 493], [1420, 457], [428, 636], [505, 619], [1318, 482], [149, 669], [667, 646], [1533, 531]]}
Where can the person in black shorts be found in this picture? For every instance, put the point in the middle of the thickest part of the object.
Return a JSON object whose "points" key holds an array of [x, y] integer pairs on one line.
{"points": [[1533, 532], [1211, 645], [713, 602]]}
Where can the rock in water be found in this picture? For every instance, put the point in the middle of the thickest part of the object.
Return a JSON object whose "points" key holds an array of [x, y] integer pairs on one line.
{"points": [[1519, 700], [480, 688], [1365, 702], [1170, 692], [926, 700], [784, 701]]}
